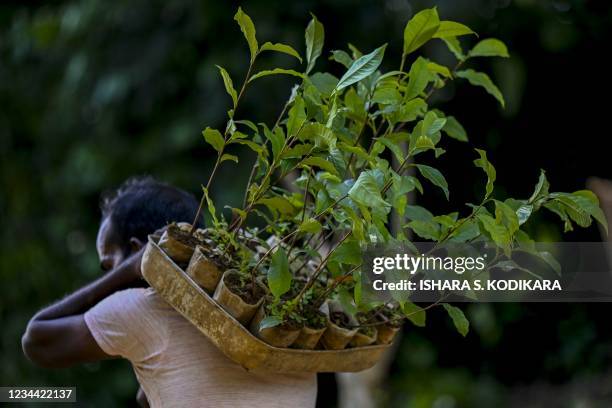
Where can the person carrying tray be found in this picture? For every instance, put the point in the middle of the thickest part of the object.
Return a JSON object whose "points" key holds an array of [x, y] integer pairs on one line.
{"points": [[117, 316]]}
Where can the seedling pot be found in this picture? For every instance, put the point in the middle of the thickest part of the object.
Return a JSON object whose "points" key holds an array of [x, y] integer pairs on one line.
{"points": [[277, 336], [203, 271], [336, 337], [232, 302], [361, 339], [232, 338], [386, 333], [179, 250], [308, 338]]}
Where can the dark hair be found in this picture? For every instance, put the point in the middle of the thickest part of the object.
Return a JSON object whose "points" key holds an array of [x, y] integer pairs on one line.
{"points": [[142, 205]]}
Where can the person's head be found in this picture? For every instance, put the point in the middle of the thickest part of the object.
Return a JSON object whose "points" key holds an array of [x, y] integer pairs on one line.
{"points": [[139, 207]]}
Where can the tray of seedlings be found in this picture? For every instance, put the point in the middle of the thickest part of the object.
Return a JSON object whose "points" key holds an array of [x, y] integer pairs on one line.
{"points": [[287, 295], [237, 314]]}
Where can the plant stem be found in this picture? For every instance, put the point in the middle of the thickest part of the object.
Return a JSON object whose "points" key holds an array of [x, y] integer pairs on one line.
{"points": [[336, 283], [303, 212], [319, 269], [220, 153], [246, 190]]}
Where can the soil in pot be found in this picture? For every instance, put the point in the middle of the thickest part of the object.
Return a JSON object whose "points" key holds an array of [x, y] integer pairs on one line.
{"points": [[240, 299], [281, 336], [204, 271], [364, 337], [310, 334], [178, 243], [338, 333]]}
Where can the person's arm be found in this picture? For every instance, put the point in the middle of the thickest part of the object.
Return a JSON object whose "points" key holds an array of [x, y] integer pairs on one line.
{"points": [[58, 336]]}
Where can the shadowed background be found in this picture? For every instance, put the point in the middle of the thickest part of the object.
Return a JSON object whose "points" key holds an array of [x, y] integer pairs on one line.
{"points": [[92, 92]]}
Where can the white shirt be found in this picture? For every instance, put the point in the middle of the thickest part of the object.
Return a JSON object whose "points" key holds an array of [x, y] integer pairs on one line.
{"points": [[177, 366]]}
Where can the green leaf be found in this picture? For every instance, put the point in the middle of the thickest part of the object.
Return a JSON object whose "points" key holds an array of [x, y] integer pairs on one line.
{"points": [[214, 138], [414, 313], [366, 191], [432, 124], [439, 69], [490, 47], [297, 116], [551, 261], [298, 151], [362, 67], [270, 321], [280, 204], [393, 146], [579, 206], [467, 231], [229, 85], [506, 216], [279, 47], [454, 129], [419, 77], [279, 275], [277, 140], [483, 80], [561, 211], [348, 253], [435, 177], [315, 36], [454, 46], [324, 82], [541, 189], [311, 226], [321, 163], [401, 185], [452, 29], [341, 57], [411, 110], [251, 145], [488, 168], [227, 156], [589, 202], [248, 29], [276, 71], [416, 212], [211, 206], [420, 29], [459, 320], [426, 229], [499, 234]]}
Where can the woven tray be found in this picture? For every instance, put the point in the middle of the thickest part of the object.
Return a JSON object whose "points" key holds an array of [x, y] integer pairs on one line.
{"points": [[233, 339]]}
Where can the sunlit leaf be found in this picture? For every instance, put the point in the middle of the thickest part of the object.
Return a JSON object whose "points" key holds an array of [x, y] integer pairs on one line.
{"points": [[483, 80], [229, 85], [420, 29], [248, 29], [459, 320], [214, 138], [490, 47], [279, 47], [362, 68], [315, 36]]}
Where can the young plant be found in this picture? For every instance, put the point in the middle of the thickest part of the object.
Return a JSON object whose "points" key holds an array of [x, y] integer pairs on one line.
{"points": [[358, 145]]}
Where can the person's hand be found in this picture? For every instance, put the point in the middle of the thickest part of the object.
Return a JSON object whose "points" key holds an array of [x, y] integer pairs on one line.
{"points": [[130, 269]]}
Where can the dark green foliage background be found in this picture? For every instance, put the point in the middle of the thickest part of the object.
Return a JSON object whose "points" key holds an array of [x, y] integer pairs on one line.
{"points": [[92, 92]]}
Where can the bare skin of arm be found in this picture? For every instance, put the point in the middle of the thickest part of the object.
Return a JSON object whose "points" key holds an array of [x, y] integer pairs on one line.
{"points": [[58, 336]]}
